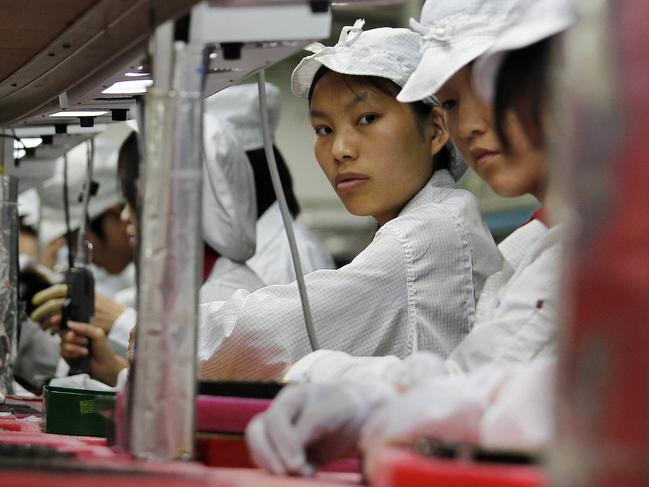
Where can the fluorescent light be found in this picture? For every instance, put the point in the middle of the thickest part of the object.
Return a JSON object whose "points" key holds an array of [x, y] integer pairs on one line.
{"points": [[19, 153], [128, 87], [87, 113], [28, 142], [136, 75]]}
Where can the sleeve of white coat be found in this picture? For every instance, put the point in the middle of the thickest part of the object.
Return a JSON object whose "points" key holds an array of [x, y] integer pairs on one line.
{"points": [[354, 308], [119, 333]]}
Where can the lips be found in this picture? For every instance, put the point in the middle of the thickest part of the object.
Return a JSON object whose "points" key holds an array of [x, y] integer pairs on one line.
{"points": [[482, 156], [349, 181]]}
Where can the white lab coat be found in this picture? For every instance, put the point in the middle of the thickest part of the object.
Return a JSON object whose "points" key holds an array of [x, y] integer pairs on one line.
{"points": [[413, 288], [516, 319], [110, 285], [272, 260], [517, 312]]}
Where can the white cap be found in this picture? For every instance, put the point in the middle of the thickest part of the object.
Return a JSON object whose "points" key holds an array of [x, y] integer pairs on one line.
{"points": [[385, 52], [454, 33], [29, 207], [539, 19], [229, 203], [239, 105], [107, 144]]}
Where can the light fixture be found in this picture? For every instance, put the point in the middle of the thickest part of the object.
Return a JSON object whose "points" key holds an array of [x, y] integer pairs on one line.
{"points": [[19, 153], [132, 87], [27, 142], [78, 114], [136, 75]]}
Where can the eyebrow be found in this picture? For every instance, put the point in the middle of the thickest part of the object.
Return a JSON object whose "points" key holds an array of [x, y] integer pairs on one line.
{"points": [[359, 98]]}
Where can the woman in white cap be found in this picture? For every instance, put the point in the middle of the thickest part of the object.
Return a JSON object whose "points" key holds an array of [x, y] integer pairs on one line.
{"points": [[415, 286], [505, 403]]}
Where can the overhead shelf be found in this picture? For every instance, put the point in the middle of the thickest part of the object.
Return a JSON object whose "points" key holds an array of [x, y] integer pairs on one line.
{"points": [[71, 42]]}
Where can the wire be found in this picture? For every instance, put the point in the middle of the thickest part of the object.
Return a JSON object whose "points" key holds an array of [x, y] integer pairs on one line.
{"points": [[82, 250], [66, 210], [286, 216]]}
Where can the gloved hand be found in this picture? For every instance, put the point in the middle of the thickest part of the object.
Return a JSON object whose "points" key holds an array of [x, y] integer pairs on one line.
{"points": [[309, 425], [448, 407], [521, 417], [105, 364], [50, 301]]}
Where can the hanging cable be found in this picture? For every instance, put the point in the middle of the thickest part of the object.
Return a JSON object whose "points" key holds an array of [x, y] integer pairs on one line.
{"points": [[66, 211], [286, 216], [87, 193]]}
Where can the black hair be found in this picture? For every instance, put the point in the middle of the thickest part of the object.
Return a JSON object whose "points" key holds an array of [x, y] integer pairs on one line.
{"points": [[128, 173], [521, 86], [420, 110], [263, 185], [128, 168]]}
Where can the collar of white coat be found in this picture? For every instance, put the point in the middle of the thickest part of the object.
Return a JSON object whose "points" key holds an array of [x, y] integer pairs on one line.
{"points": [[441, 179], [517, 245]]}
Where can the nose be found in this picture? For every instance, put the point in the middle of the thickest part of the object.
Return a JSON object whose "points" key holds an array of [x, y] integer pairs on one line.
{"points": [[344, 146], [474, 117]]}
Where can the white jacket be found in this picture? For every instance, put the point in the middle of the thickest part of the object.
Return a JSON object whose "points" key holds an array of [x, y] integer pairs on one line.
{"points": [[413, 288], [517, 311], [516, 320], [272, 260]]}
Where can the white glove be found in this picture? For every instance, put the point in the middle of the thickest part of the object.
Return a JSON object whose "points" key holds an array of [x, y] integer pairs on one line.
{"points": [[522, 416], [448, 408], [309, 425]]}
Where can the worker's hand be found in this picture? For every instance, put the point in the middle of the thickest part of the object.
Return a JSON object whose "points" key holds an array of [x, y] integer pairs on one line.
{"points": [[106, 312], [309, 425], [105, 364], [447, 408], [50, 301], [131, 344]]}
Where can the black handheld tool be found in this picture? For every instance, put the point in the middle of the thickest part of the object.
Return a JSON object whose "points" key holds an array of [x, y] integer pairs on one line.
{"points": [[79, 305]]}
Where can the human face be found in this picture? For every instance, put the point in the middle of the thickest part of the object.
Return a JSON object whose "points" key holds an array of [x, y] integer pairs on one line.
{"points": [[519, 171], [370, 146]]}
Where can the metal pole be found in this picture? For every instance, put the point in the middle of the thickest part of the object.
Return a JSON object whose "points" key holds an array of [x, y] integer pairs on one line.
{"points": [[164, 375]]}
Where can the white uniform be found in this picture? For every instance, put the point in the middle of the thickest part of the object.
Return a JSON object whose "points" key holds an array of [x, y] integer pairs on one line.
{"points": [[517, 312], [413, 288], [516, 318], [111, 285], [272, 261]]}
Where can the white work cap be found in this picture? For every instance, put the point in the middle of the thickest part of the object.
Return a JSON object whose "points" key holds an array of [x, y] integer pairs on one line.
{"points": [[454, 33], [386, 52], [107, 144], [239, 105], [229, 202], [29, 207], [538, 20]]}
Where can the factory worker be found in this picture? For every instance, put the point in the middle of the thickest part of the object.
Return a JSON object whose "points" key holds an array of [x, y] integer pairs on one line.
{"points": [[504, 397], [415, 286], [272, 261], [228, 229], [112, 256]]}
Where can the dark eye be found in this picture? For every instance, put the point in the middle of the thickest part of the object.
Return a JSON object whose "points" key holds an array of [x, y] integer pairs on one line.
{"points": [[322, 130], [448, 104], [368, 118]]}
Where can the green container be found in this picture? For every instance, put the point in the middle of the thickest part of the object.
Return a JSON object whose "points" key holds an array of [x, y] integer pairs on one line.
{"points": [[77, 411]]}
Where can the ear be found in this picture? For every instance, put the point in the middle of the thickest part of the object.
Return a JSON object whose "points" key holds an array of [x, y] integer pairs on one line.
{"points": [[438, 131]]}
